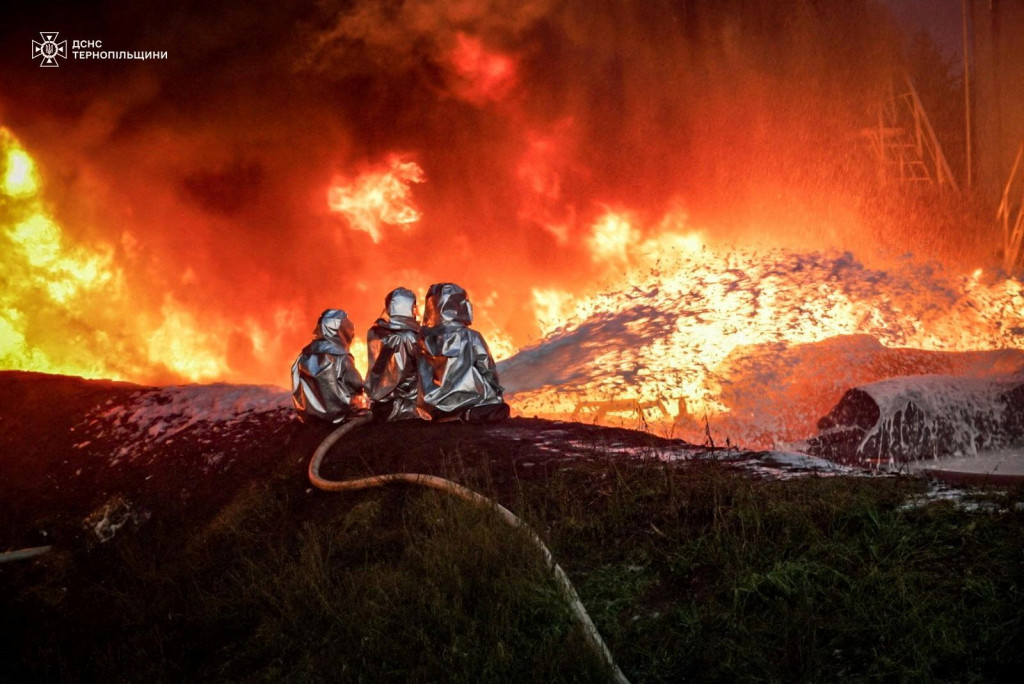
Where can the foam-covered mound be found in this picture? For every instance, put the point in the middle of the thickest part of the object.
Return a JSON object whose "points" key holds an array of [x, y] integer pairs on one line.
{"points": [[776, 394], [920, 417], [773, 394], [754, 346]]}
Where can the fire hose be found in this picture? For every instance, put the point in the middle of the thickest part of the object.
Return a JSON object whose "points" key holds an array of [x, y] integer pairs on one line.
{"points": [[564, 585], [23, 554]]}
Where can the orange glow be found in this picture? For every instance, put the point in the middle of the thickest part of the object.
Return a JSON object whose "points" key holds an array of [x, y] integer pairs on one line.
{"points": [[42, 274], [687, 310], [654, 189], [68, 308], [378, 197], [181, 344], [485, 76], [20, 176], [698, 306], [612, 237], [539, 174]]}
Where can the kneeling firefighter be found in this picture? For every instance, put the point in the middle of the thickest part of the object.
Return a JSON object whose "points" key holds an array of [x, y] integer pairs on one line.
{"points": [[325, 382], [458, 379], [392, 346]]}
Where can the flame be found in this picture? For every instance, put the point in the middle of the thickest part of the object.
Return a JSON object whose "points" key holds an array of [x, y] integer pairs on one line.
{"points": [[658, 341], [611, 237], [485, 76], [377, 197], [181, 344], [360, 355], [62, 271], [562, 147], [552, 307], [67, 308], [20, 177], [43, 275], [659, 324], [500, 344]]}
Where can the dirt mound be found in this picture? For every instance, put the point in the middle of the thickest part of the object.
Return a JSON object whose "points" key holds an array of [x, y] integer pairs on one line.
{"points": [[86, 459]]}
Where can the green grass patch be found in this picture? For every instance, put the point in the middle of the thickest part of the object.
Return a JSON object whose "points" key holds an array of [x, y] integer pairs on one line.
{"points": [[691, 571]]}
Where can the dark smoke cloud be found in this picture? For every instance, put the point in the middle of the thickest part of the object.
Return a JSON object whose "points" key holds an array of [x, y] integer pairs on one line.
{"points": [[208, 172], [376, 37]]}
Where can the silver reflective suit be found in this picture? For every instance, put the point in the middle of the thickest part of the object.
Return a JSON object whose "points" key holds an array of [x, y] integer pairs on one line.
{"points": [[325, 382], [456, 369], [392, 345]]}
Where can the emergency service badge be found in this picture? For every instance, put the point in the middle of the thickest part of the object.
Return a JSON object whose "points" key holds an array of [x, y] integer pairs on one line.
{"points": [[49, 49]]}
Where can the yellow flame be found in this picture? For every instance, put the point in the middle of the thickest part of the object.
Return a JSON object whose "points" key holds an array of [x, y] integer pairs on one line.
{"points": [[181, 344], [44, 277], [552, 307], [500, 345], [63, 272], [14, 352], [359, 355], [377, 197], [63, 307], [20, 175], [611, 237]]}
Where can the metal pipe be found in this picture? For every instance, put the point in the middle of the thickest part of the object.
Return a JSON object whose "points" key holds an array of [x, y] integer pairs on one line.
{"points": [[967, 97]]}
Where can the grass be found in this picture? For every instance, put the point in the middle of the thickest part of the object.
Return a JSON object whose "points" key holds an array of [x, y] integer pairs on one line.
{"points": [[689, 571]]}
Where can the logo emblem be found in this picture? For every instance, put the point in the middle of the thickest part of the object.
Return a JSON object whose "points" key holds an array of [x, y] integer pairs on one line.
{"points": [[49, 50]]}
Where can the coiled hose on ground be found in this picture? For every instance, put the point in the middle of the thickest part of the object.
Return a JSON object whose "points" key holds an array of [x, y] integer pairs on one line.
{"points": [[572, 598]]}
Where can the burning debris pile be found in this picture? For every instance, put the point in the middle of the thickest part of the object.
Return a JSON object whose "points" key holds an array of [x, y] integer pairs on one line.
{"points": [[740, 339]]}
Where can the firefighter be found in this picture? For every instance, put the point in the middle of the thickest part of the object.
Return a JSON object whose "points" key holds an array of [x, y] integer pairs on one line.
{"points": [[392, 346], [458, 380], [325, 382]]}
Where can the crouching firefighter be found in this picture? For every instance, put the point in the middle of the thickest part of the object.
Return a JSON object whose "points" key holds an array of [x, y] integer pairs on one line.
{"points": [[458, 380], [325, 382], [392, 346]]}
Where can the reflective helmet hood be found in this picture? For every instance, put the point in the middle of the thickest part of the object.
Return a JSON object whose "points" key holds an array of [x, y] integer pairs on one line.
{"points": [[335, 326], [447, 303], [400, 302]]}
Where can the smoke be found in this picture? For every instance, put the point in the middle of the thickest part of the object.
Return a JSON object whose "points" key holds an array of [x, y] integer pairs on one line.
{"points": [[206, 176]]}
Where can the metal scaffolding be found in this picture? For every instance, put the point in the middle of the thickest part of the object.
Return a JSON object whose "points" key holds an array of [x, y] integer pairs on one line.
{"points": [[905, 143]]}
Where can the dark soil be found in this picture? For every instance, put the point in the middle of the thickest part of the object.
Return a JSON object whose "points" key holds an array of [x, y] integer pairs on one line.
{"points": [[195, 549], [57, 472]]}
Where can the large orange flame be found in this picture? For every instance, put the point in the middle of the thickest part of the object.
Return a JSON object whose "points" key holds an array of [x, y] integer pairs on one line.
{"points": [[68, 308], [378, 197]]}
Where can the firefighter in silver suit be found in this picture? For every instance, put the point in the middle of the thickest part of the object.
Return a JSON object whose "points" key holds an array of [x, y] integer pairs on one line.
{"points": [[458, 380], [325, 382], [392, 346]]}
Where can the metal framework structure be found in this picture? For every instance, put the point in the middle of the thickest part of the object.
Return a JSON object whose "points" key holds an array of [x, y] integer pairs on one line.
{"points": [[1011, 215], [905, 143]]}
